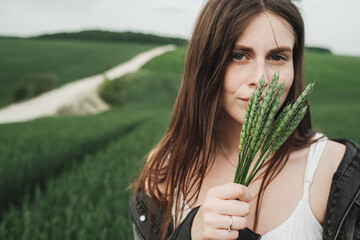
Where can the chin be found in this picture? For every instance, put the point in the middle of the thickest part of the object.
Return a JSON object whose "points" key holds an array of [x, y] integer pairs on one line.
{"points": [[234, 121]]}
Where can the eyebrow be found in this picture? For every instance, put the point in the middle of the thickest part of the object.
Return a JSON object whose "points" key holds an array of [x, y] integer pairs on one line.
{"points": [[271, 51]]}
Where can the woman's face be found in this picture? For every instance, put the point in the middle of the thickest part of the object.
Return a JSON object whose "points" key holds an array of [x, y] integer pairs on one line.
{"points": [[265, 46]]}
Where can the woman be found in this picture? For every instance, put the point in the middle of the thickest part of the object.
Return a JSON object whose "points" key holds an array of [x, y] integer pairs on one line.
{"points": [[185, 190]]}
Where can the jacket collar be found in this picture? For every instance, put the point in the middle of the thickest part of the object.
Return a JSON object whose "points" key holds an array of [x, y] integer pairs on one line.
{"points": [[345, 188]]}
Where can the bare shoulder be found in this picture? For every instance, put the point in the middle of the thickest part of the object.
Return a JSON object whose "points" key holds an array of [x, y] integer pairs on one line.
{"points": [[329, 161], [332, 155], [320, 189]]}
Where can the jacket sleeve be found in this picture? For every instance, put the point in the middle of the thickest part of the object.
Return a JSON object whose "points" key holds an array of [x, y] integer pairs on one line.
{"points": [[342, 216], [140, 214]]}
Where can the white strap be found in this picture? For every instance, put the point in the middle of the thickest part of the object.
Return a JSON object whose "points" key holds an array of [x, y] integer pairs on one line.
{"points": [[183, 205], [315, 152]]}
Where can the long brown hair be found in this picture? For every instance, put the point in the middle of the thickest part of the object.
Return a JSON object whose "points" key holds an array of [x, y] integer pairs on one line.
{"points": [[188, 148]]}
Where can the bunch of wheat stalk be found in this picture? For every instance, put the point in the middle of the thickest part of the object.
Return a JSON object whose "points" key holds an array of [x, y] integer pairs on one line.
{"points": [[260, 132]]}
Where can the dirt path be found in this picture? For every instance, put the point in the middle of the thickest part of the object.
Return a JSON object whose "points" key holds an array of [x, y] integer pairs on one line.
{"points": [[79, 97]]}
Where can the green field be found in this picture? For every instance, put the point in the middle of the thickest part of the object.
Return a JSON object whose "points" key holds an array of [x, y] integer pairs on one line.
{"points": [[335, 103], [82, 165], [68, 60], [68, 176]]}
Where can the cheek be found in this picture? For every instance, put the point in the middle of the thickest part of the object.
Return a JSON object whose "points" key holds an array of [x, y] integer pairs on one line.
{"points": [[227, 88], [289, 79], [229, 83]]}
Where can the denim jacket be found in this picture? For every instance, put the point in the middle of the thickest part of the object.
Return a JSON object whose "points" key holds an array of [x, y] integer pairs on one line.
{"points": [[342, 217]]}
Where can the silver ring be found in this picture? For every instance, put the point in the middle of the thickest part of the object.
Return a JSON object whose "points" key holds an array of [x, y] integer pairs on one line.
{"points": [[230, 223]]}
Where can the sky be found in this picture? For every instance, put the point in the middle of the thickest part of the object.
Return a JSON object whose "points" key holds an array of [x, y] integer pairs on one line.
{"points": [[333, 24]]}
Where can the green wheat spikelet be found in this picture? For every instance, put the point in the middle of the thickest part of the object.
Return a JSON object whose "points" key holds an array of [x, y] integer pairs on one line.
{"points": [[260, 132]]}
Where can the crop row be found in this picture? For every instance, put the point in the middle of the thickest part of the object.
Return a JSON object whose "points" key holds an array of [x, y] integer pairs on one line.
{"points": [[90, 201], [33, 152]]}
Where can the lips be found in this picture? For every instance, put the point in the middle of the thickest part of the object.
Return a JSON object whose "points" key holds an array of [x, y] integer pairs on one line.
{"points": [[247, 98]]}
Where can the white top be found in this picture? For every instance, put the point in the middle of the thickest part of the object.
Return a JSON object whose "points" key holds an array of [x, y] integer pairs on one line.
{"points": [[301, 224]]}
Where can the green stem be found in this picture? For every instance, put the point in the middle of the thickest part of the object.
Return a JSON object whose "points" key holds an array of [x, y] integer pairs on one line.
{"points": [[243, 160]]}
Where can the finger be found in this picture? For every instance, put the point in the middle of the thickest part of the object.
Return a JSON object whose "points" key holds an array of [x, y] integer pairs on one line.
{"points": [[238, 223], [218, 221], [231, 191], [232, 207]]}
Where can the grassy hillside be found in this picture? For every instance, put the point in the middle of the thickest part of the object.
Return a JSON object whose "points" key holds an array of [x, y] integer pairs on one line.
{"points": [[86, 162], [99, 35], [68, 60], [335, 103]]}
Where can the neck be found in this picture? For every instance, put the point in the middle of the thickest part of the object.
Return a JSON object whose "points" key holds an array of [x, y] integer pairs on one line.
{"points": [[229, 139]]}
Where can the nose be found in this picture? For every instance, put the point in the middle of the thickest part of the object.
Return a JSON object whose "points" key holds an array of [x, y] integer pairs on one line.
{"points": [[259, 71]]}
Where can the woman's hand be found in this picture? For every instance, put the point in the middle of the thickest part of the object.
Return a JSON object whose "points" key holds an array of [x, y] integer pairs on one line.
{"points": [[221, 203]]}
